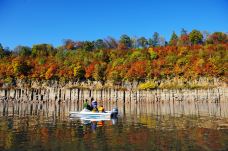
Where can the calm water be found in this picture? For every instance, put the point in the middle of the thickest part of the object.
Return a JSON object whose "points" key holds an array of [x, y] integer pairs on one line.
{"points": [[167, 126]]}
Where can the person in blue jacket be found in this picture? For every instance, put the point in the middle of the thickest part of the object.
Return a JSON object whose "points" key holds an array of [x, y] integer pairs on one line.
{"points": [[94, 105]]}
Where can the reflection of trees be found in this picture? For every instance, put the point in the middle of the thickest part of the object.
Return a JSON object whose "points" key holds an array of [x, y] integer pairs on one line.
{"points": [[144, 127], [119, 137]]}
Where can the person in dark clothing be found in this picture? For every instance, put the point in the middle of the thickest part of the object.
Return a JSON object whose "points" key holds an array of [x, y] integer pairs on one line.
{"points": [[86, 105], [94, 105]]}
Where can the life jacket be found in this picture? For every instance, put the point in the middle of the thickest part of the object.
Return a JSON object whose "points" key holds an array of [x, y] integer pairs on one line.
{"points": [[94, 110], [101, 109]]}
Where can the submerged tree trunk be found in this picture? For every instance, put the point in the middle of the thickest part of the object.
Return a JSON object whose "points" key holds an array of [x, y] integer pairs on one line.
{"points": [[113, 95]]}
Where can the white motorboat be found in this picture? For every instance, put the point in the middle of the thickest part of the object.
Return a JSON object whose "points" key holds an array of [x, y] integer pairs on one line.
{"points": [[87, 114]]}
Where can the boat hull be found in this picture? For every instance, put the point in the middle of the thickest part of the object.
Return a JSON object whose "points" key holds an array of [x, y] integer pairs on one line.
{"points": [[86, 114], [91, 115]]}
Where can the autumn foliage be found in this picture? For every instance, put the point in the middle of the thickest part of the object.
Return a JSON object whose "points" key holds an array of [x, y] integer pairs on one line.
{"points": [[187, 56]]}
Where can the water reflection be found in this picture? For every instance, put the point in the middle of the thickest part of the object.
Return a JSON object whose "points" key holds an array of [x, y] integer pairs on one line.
{"points": [[142, 126], [62, 110], [94, 123]]}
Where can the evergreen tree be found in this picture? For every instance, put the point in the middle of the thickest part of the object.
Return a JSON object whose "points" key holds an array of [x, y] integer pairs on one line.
{"points": [[1, 51], [155, 40], [183, 32], [173, 39]]}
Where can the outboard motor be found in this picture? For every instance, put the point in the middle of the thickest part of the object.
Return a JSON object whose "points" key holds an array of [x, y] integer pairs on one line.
{"points": [[114, 112]]}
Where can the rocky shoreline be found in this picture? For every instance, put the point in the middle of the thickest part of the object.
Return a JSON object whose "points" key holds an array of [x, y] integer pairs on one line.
{"points": [[214, 90]]}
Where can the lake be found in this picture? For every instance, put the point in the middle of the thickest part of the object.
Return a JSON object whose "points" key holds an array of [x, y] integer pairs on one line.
{"points": [[143, 126]]}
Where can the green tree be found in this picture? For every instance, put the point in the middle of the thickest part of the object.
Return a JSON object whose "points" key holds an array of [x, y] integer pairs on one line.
{"points": [[20, 67], [195, 37], [142, 42], [125, 40], [87, 46], [79, 71], [1, 51], [114, 76], [43, 50], [173, 39], [1, 47], [23, 50], [155, 40], [99, 72], [153, 54], [99, 44], [136, 55]]}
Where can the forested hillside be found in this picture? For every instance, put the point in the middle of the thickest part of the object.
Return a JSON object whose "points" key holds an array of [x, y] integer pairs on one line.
{"points": [[188, 55]]}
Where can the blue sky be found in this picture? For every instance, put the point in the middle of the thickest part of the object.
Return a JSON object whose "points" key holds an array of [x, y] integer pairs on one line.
{"points": [[28, 22]]}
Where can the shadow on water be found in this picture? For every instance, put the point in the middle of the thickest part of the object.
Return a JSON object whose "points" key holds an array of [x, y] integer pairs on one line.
{"points": [[141, 126]]}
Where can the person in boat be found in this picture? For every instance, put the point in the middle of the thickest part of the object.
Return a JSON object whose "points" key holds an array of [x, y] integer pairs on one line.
{"points": [[94, 105], [86, 105], [101, 109]]}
